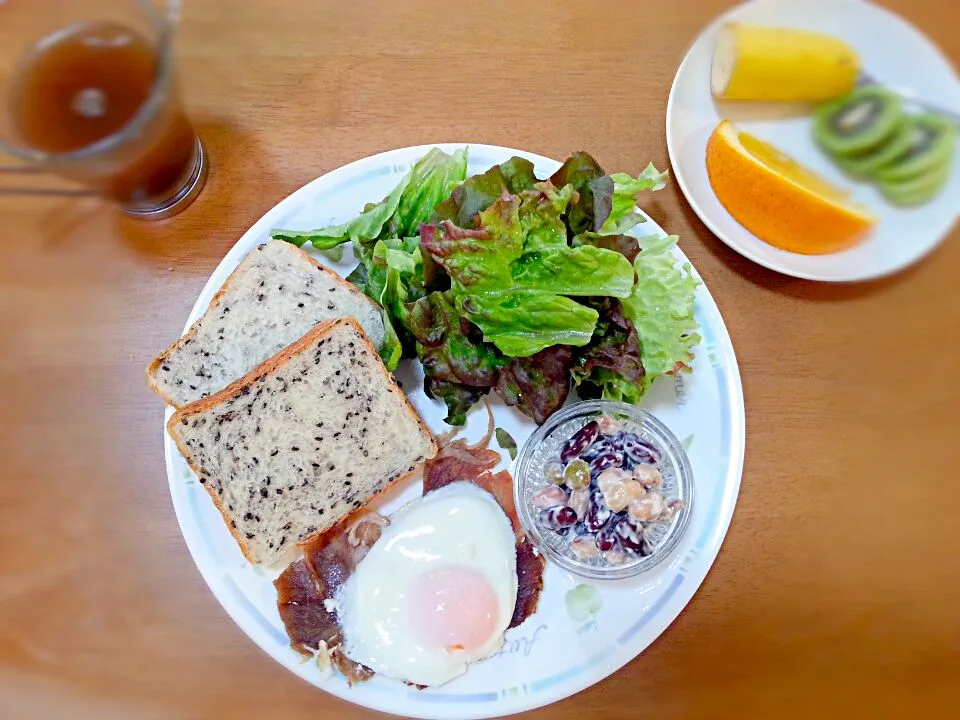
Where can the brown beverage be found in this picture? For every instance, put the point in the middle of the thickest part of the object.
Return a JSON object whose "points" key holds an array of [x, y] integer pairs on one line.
{"points": [[84, 84]]}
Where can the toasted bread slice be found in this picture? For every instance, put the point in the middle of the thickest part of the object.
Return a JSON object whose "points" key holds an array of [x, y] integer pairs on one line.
{"points": [[275, 295], [302, 440]]}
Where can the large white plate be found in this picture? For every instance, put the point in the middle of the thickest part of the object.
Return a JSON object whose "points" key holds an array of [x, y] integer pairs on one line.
{"points": [[893, 52], [550, 656]]}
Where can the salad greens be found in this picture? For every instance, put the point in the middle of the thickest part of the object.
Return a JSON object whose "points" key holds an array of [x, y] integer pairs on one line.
{"points": [[506, 442], [507, 283]]}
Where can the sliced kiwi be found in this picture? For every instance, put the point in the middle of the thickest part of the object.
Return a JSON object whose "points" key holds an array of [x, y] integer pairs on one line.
{"points": [[857, 122], [864, 164], [919, 189], [931, 145]]}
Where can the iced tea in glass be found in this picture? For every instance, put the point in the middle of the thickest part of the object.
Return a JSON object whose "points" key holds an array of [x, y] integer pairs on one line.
{"points": [[89, 93]]}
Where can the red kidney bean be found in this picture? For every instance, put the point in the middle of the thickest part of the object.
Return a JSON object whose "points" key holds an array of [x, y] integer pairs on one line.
{"points": [[597, 512], [600, 447], [639, 451], [632, 538], [580, 441], [607, 538], [605, 462], [558, 518]]}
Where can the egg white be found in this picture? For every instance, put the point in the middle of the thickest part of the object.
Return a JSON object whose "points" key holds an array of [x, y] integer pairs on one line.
{"points": [[459, 524]]}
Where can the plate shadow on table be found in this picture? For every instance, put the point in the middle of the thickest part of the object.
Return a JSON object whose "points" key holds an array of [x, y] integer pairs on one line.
{"points": [[657, 212], [785, 284], [201, 234]]}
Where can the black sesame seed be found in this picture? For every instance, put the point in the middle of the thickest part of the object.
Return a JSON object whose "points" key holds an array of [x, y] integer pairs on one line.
{"points": [[248, 516], [349, 474], [279, 491], [274, 452], [203, 481], [294, 448], [300, 305], [164, 367], [263, 492]]}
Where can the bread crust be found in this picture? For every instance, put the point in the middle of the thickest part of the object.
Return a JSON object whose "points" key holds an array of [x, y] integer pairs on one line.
{"points": [[153, 368], [235, 389]]}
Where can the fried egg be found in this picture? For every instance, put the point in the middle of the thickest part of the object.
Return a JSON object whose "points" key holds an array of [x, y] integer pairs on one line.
{"points": [[437, 590]]}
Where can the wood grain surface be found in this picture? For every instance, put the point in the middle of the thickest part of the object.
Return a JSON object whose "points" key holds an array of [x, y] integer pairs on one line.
{"points": [[836, 593]]}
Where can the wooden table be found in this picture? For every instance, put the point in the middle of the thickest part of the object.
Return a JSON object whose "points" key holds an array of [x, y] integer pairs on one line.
{"points": [[837, 590]]}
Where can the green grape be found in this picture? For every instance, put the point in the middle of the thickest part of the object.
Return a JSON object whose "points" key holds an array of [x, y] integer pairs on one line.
{"points": [[576, 475], [554, 473]]}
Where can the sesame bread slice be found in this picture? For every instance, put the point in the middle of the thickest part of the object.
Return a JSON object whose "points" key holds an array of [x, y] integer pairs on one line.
{"points": [[275, 295], [302, 440]]}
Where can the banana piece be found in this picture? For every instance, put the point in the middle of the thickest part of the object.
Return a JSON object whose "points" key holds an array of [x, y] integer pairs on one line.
{"points": [[755, 62]]}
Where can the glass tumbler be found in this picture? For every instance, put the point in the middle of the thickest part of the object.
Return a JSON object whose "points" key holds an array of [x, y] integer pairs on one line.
{"points": [[88, 92]]}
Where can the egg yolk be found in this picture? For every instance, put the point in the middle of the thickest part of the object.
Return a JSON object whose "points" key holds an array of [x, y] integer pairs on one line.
{"points": [[453, 608]]}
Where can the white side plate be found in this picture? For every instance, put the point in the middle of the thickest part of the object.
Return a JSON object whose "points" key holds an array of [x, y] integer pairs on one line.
{"points": [[895, 54]]}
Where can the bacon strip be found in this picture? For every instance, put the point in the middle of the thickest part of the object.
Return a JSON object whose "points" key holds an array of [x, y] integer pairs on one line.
{"points": [[333, 556], [530, 566], [303, 586]]}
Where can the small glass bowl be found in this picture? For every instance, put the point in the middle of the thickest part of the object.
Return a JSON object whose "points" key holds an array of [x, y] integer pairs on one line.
{"points": [[543, 447]]}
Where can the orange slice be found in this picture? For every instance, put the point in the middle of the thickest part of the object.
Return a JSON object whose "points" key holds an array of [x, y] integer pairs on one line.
{"points": [[778, 200]]}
